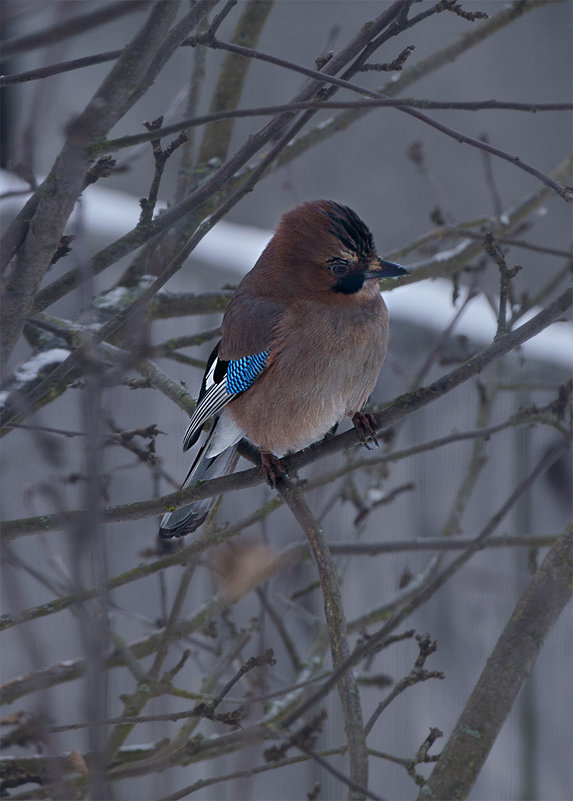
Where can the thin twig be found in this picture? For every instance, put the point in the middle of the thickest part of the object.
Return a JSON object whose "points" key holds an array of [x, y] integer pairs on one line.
{"points": [[160, 157], [131, 140], [506, 275], [490, 181], [369, 549], [416, 675], [288, 641]]}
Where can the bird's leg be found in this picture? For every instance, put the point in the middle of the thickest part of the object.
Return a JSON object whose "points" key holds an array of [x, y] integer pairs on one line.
{"points": [[365, 425], [273, 469]]}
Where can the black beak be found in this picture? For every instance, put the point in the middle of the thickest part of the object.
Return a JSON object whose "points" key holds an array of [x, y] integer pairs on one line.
{"points": [[387, 270], [390, 270]]}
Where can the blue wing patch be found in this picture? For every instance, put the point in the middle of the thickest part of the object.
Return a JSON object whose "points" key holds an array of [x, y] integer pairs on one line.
{"points": [[222, 382], [241, 373]]}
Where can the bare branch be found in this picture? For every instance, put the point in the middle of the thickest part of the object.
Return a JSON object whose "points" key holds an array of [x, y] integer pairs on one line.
{"points": [[416, 675], [327, 105], [336, 624], [510, 664], [229, 89]]}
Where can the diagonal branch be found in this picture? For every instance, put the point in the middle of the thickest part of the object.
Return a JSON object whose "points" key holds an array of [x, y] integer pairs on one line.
{"points": [[504, 674], [230, 83]]}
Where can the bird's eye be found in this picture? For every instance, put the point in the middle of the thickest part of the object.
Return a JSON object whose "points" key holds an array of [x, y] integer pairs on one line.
{"points": [[339, 268]]}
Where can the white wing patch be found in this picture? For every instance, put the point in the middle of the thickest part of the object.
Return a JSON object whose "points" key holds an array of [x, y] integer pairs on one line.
{"points": [[209, 376], [215, 398], [237, 375]]}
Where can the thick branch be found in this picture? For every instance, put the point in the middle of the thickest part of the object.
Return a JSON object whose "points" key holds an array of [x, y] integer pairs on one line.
{"points": [[505, 673], [231, 80]]}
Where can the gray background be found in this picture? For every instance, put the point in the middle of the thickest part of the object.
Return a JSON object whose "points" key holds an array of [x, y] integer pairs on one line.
{"points": [[366, 167]]}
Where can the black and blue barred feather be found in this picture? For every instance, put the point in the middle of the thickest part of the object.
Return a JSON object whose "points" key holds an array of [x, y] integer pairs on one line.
{"points": [[241, 373], [223, 381]]}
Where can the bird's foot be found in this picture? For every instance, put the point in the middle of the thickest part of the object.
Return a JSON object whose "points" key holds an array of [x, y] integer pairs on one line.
{"points": [[365, 425], [273, 469]]}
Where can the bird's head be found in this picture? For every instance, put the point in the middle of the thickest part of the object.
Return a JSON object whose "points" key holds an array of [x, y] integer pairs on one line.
{"points": [[323, 246]]}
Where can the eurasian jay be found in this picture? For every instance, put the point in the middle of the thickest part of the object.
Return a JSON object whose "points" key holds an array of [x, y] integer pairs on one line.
{"points": [[303, 341]]}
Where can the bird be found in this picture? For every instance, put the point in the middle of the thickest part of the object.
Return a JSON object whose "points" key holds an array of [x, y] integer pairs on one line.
{"points": [[302, 343]]}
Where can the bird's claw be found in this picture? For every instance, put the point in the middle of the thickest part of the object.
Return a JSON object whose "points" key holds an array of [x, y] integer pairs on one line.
{"points": [[365, 425], [273, 469]]}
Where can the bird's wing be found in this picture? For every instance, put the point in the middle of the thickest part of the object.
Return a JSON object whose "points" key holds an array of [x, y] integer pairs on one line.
{"points": [[250, 322], [238, 358], [223, 381]]}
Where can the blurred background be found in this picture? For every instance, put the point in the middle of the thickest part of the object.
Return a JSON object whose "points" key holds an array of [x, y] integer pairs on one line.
{"points": [[369, 167]]}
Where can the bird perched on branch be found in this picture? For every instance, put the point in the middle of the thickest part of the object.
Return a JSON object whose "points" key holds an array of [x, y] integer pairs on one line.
{"points": [[303, 341]]}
